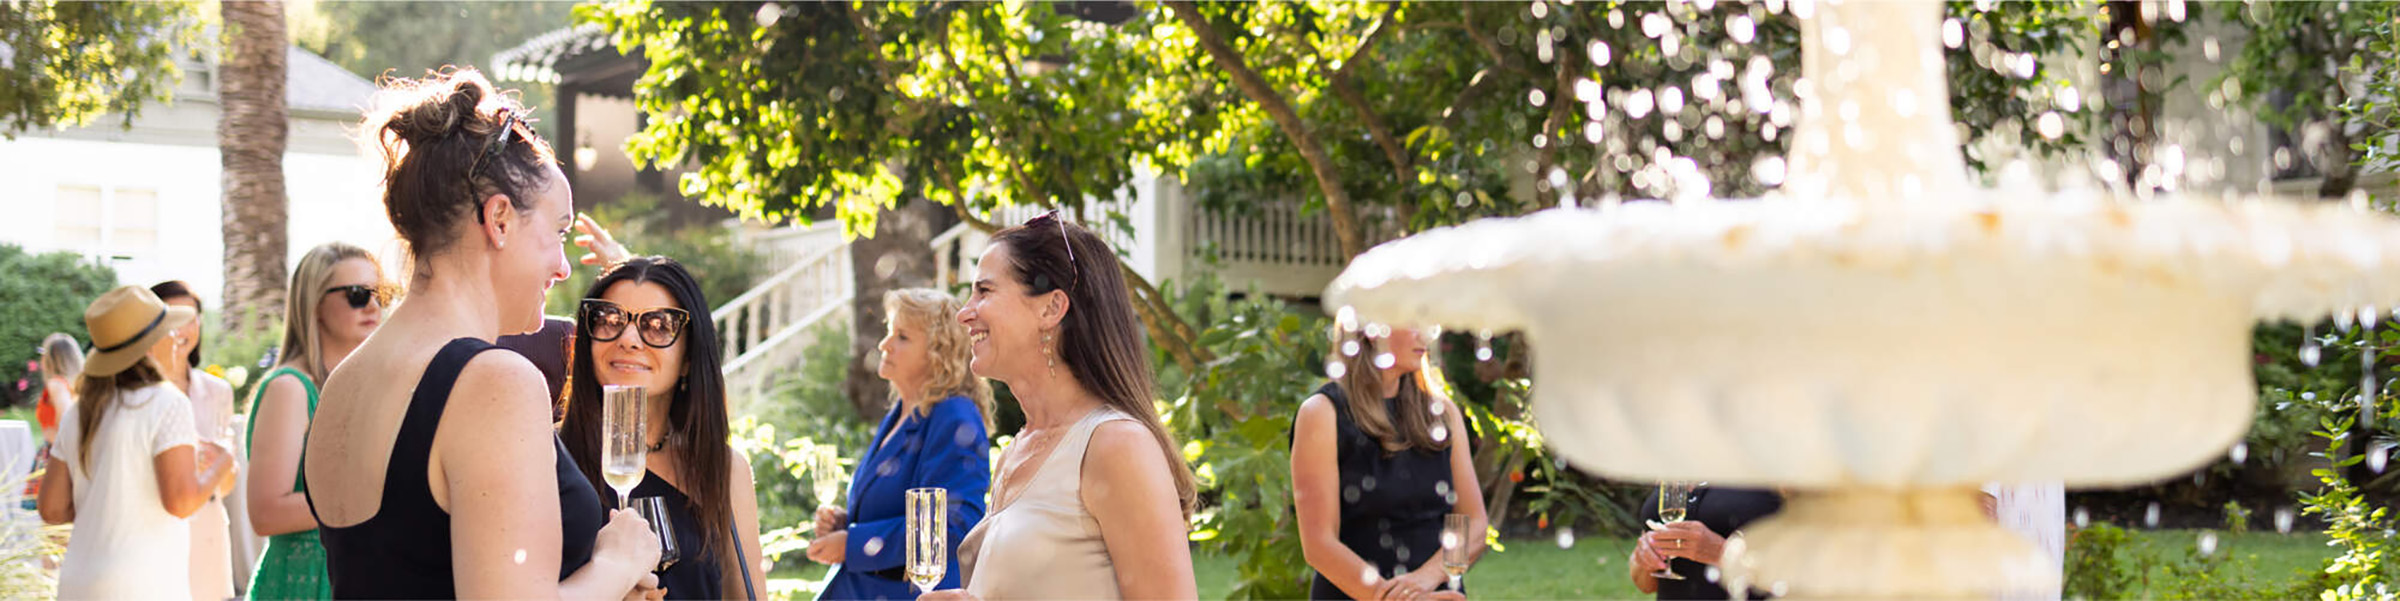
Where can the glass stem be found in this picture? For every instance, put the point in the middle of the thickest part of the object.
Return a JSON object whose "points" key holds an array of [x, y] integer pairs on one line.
{"points": [[1456, 584]]}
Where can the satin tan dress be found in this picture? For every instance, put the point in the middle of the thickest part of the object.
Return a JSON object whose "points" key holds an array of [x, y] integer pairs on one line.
{"points": [[1044, 544]]}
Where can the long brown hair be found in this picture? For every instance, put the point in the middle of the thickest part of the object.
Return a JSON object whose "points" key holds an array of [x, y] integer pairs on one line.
{"points": [[301, 328], [1362, 382], [696, 415], [946, 349], [94, 395], [1099, 339]]}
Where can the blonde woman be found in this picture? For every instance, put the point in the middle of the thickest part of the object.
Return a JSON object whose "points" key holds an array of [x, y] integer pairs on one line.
{"points": [[335, 300], [936, 436], [178, 357], [125, 470], [1377, 459]]}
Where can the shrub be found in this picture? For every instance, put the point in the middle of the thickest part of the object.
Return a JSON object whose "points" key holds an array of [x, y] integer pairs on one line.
{"points": [[41, 295], [807, 406]]}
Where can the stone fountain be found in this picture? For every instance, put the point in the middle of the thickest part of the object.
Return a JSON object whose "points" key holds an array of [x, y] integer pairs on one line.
{"points": [[1883, 335]]}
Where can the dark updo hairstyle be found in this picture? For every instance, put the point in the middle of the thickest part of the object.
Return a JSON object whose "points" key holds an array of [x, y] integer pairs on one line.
{"points": [[444, 152]]}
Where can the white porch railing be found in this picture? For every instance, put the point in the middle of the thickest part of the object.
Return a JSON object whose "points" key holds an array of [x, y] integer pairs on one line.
{"points": [[768, 326]]}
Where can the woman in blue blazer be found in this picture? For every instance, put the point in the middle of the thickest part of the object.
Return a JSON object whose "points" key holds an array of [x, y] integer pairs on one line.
{"points": [[936, 436]]}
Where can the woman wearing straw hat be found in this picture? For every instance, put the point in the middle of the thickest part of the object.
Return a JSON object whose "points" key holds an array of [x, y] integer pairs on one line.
{"points": [[124, 468]]}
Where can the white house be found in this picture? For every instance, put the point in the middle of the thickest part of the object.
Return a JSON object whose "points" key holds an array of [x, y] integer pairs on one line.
{"points": [[148, 199]]}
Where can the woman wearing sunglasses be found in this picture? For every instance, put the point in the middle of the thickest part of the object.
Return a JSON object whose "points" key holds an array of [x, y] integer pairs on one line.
{"points": [[637, 328], [319, 330]]}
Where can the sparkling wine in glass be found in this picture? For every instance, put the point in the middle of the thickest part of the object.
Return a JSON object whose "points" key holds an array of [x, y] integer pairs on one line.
{"points": [[928, 537], [622, 444], [654, 510], [827, 463], [1454, 549], [1673, 498]]}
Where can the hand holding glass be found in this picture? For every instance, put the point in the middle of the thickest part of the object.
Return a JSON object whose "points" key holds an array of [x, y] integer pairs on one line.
{"points": [[1672, 499]]}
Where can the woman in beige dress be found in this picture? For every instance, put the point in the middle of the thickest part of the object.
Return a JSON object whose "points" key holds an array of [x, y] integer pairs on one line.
{"points": [[1092, 499], [212, 421]]}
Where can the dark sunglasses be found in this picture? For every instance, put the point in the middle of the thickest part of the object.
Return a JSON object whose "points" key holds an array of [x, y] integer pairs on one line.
{"points": [[491, 150], [360, 295], [1076, 271], [604, 321]]}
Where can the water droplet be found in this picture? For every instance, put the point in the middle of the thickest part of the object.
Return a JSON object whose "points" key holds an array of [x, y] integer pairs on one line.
{"points": [[2069, 99], [1346, 318], [2150, 516], [1537, 98], [886, 468], [1367, 483], [1599, 53], [1541, 9], [1954, 33], [1780, 589], [1441, 433], [1768, 170], [1713, 574], [2051, 125], [1670, 100], [2378, 456], [1449, 540], [1435, 407], [1368, 575], [2310, 353], [1566, 538], [2208, 544], [1403, 554], [769, 13], [2083, 518], [1386, 541], [2241, 450], [1655, 24], [1384, 360], [1441, 487], [2283, 520], [1350, 494], [520, 557], [1334, 370], [1349, 348], [874, 547]]}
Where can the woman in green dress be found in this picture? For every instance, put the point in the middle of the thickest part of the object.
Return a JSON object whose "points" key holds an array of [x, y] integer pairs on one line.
{"points": [[336, 299]]}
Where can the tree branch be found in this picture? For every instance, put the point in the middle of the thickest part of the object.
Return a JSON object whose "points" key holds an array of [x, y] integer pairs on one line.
{"points": [[1403, 168], [1559, 101], [1337, 199]]}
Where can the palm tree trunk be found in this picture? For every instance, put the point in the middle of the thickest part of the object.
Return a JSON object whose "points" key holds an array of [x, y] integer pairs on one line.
{"points": [[251, 136]]}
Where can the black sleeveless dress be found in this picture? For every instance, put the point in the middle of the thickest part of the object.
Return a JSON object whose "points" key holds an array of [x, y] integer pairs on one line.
{"points": [[404, 551], [1392, 503], [696, 572]]}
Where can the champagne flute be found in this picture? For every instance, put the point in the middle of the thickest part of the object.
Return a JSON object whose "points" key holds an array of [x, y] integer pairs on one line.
{"points": [[827, 463], [654, 510], [1673, 498], [622, 442], [928, 537], [1454, 550]]}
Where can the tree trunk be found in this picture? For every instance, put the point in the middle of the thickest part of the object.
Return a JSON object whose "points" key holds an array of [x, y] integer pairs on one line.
{"points": [[898, 255], [1287, 120], [251, 136]]}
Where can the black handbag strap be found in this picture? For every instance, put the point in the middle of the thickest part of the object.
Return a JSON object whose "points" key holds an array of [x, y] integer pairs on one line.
{"points": [[744, 561]]}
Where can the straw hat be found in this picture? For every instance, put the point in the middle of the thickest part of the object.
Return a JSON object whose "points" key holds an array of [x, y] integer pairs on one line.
{"points": [[124, 323]]}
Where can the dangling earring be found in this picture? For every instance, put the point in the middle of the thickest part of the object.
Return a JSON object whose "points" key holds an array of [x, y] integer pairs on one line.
{"points": [[1048, 356]]}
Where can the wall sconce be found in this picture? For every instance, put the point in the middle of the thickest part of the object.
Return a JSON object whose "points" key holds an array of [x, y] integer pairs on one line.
{"points": [[585, 156]]}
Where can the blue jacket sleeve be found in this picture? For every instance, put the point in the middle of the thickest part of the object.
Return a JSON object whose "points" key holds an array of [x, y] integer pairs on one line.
{"points": [[953, 452]]}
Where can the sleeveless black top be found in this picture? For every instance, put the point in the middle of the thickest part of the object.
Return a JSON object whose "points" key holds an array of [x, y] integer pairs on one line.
{"points": [[695, 574], [1392, 502], [404, 551]]}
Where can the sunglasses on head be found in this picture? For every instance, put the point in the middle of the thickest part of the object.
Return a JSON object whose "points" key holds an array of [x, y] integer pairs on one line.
{"points": [[359, 295], [604, 321], [1075, 271]]}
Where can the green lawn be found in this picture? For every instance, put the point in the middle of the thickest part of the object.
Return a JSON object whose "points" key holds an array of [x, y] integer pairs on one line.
{"points": [[1594, 568]]}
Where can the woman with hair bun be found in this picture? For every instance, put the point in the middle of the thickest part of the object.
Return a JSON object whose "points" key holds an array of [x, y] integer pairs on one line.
{"points": [[432, 468]]}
